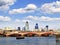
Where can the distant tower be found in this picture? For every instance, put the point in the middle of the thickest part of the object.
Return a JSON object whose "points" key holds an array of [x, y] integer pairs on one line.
{"points": [[46, 27], [27, 26], [19, 28], [24, 28], [36, 27]]}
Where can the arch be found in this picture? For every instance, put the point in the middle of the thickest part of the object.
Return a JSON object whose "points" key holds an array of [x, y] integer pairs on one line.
{"points": [[31, 34], [46, 34], [14, 35]]}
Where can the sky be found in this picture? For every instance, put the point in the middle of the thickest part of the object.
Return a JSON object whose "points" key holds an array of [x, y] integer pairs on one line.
{"points": [[14, 13]]}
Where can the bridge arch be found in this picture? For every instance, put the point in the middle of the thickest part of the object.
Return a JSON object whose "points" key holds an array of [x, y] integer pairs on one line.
{"points": [[45, 34], [30, 34], [14, 35]]}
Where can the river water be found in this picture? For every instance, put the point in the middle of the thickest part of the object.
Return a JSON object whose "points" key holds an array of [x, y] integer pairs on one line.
{"points": [[29, 41]]}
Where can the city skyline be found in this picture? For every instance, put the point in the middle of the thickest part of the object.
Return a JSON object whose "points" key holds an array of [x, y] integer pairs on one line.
{"points": [[14, 13]]}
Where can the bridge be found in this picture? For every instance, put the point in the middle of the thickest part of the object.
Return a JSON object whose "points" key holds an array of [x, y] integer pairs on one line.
{"points": [[29, 33]]}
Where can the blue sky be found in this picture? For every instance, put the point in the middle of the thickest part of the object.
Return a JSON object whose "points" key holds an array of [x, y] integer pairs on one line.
{"points": [[14, 13]]}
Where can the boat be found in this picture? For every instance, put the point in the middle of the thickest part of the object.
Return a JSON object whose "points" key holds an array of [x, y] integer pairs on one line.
{"points": [[20, 37]]}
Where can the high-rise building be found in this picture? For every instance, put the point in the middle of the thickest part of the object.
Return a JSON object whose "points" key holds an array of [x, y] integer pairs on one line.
{"points": [[46, 27], [23, 29], [27, 26], [36, 27], [19, 28]]}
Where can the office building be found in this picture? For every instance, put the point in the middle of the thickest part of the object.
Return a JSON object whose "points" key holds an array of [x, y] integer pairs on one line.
{"points": [[19, 28], [46, 27], [27, 26], [23, 29], [36, 27]]}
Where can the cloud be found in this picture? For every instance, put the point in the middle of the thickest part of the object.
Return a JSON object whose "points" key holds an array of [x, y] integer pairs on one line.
{"points": [[32, 17], [28, 8], [5, 18], [31, 7], [26, 20], [53, 7], [17, 20], [42, 18], [5, 7], [23, 20], [5, 4]]}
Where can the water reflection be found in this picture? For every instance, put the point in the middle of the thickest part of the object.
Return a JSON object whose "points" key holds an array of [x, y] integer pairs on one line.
{"points": [[58, 41], [28, 41]]}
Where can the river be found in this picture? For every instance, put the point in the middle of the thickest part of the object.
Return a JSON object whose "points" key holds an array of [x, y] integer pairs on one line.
{"points": [[29, 41]]}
